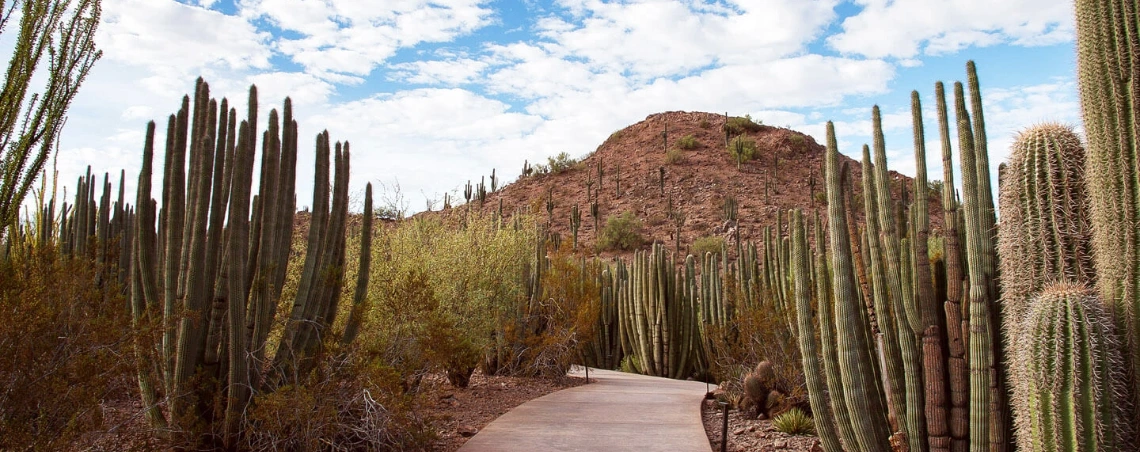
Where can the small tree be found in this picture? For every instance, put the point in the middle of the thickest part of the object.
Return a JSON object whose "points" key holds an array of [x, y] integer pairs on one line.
{"points": [[30, 122]]}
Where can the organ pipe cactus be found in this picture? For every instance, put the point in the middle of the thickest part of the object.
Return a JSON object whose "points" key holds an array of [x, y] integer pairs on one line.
{"points": [[1070, 378], [862, 394], [227, 276], [813, 373]]}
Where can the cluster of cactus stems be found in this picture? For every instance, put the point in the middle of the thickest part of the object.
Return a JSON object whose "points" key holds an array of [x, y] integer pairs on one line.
{"points": [[892, 365], [94, 228], [210, 269]]}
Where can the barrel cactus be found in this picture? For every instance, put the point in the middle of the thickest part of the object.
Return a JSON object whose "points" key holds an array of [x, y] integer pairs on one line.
{"points": [[1045, 233], [1070, 393]]}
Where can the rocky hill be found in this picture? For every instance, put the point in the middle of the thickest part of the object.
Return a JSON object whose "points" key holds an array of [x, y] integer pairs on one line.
{"points": [[638, 175]]}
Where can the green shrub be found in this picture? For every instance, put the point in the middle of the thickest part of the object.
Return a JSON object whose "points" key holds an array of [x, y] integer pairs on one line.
{"points": [[794, 422], [798, 141], [737, 125], [621, 232], [821, 198], [560, 162], [687, 142], [704, 124], [674, 156], [742, 149], [707, 244]]}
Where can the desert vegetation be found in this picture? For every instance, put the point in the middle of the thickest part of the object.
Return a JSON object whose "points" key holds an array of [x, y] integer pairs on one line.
{"points": [[233, 321]]}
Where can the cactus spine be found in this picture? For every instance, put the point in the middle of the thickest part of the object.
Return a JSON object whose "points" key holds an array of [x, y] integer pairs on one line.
{"points": [[1107, 54], [1071, 380]]}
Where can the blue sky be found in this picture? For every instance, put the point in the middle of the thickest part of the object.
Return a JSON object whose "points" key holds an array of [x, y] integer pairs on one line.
{"points": [[435, 92]]}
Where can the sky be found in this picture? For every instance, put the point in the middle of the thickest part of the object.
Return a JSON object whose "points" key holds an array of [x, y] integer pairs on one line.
{"points": [[433, 93]]}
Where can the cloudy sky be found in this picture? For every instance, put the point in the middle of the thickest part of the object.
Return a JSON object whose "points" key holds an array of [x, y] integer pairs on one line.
{"points": [[435, 92]]}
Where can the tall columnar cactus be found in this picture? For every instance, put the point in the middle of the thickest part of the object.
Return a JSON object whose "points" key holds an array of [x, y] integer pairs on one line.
{"points": [[1107, 60], [956, 326], [575, 222], [890, 354], [863, 395], [813, 373], [212, 278], [1070, 376], [658, 313], [931, 332]]}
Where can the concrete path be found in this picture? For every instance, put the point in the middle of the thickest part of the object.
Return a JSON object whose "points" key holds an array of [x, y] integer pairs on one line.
{"points": [[615, 412]]}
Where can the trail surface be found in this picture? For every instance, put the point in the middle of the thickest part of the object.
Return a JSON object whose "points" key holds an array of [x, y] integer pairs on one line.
{"points": [[616, 412]]}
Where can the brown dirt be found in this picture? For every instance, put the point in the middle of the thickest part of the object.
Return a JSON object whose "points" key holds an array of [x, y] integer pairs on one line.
{"points": [[460, 413], [454, 414], [750, 435], [788, 166]]}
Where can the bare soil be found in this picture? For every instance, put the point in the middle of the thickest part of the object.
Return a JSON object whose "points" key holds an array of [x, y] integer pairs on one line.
{"points": [[750, 435]]}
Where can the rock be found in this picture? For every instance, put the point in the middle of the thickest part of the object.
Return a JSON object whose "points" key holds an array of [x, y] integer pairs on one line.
{"points": [[816, 446], [780, 444], [738, 431], [752, 428], [467, 431]]}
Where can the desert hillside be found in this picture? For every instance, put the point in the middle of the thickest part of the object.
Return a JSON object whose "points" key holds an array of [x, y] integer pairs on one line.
{"points": [[638, 176]]}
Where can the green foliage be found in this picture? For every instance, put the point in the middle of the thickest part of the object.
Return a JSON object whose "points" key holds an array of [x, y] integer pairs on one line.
{"points": [[820, 198], [742, 149], [794, 422], [707, 244], [674, 156], [798, 141], [687, 142], [737, 125], [439, 292], [621, 232], [30, 121], [704, 124], [556, 164]]}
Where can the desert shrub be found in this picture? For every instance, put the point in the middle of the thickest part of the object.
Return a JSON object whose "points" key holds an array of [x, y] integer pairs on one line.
{"points": [[674, 156], [621, 232], [548, 332], [353, 399], [798, 141], [66, 345], [560, 162], [737, 125], [821, 198], [438, 291], [742, 149], [794, 422], [687, 142], [707, 244], [704, 124], [759, 332]]}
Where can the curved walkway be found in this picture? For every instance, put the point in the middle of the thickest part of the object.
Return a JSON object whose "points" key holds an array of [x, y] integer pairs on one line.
{"points": [[615, 412]]}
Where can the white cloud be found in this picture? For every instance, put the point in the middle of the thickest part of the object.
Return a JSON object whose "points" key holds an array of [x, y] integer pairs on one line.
{"points": [[352, 37], [440, 72], [648, 39], [908, 28], [175, 39]]}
